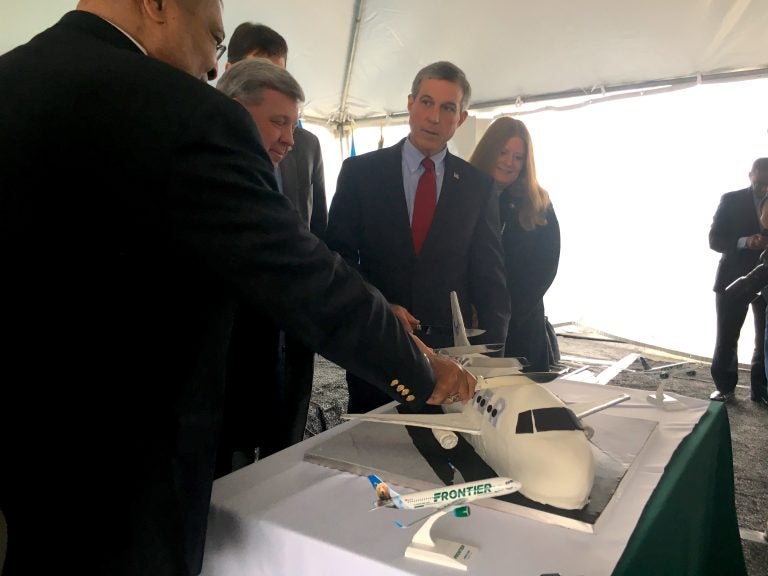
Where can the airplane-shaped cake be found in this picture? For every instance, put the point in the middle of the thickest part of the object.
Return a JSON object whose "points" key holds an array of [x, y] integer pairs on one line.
{"points": [[519, 428]]}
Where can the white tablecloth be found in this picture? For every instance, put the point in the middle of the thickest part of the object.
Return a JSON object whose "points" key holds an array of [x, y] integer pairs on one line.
{"points": [[283, 516]]}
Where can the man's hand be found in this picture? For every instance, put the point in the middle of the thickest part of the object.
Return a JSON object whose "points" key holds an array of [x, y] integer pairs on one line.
{"points": [[405, 317], [453, 383], [757, 242]]}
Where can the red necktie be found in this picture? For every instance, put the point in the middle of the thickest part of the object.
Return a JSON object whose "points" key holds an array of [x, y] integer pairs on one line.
{"points": [[424, 204]]}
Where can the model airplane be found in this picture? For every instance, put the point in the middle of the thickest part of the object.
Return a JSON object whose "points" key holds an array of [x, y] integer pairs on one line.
{"points": [[522, 431], [454, 497]]}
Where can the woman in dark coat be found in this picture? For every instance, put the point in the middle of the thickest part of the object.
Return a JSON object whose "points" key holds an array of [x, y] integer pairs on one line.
{"points": [[530, 237]]}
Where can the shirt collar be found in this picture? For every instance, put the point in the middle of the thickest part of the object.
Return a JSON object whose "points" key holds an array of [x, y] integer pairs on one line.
{"points": [[131, 38], [413, 156]]}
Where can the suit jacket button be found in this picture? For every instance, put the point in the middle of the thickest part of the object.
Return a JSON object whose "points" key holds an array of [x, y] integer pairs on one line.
{"points": [[411, 398], [405, 392], [400, 388], [394, 382]]}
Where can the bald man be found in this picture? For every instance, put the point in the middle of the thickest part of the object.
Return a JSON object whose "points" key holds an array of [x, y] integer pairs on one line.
{"points": [[138, 206]]}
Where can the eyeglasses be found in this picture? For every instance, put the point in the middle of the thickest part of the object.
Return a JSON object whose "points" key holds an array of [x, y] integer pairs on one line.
{"points": [[220, 49]]}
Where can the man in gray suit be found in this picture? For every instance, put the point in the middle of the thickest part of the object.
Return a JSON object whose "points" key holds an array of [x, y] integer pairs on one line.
{"points": [[300, 174], [298, 165]]}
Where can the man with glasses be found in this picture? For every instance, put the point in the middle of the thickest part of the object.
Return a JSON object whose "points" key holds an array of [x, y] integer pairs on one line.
{"points": [[138, 207]]}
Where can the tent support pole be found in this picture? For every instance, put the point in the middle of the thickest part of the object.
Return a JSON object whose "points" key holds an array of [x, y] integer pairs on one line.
{"points": [[351, 53]]}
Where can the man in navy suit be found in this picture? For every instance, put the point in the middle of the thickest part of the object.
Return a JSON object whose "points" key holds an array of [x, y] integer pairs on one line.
{"points": [[372, 212], [736, 234], [138, 207]]}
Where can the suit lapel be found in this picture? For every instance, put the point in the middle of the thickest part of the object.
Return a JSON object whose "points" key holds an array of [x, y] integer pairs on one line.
{"points": [[290, 184], [749, 208], [393, 194]]}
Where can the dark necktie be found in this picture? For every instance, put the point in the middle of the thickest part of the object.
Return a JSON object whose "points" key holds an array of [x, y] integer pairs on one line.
{"points": [[424, 204]]}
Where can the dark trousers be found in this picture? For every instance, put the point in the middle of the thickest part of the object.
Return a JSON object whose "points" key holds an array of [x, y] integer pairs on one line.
{"points": [[763, 393], [527, 338], [297, 365], [268, 372], [731, 314]]}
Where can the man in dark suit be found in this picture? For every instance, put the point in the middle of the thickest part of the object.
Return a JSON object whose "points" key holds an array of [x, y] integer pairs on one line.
{"points": [[301, 179], [375, 211], [736, 234], [138, 207]]}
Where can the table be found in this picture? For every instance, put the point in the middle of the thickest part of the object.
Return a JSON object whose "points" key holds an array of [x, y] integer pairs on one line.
{"points": [[674, 513], [689, 525]]}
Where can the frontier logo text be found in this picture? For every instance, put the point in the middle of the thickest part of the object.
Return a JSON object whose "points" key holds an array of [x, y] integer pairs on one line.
{"points": [[462, 492]]}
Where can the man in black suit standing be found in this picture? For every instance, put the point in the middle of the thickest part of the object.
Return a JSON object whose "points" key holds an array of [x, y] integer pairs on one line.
{"points": [[417, 251], [301, 179], [736, 234], [138, 207]]}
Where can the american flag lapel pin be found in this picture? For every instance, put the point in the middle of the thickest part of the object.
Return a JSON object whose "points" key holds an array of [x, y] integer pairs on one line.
{"points": [[456, 176]]}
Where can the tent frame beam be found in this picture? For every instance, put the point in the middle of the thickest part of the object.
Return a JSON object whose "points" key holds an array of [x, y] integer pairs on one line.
{"points": [[602, 93]]}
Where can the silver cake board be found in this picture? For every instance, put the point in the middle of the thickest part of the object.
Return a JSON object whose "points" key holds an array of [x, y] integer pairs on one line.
{"points": [[413, 459]]}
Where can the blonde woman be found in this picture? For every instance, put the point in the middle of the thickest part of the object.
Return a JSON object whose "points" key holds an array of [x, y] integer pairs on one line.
{"points": [[530, 237]]}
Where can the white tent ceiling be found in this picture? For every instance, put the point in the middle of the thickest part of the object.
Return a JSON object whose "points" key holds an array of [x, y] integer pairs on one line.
{"points": [[356, 58], [641, 269]]}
